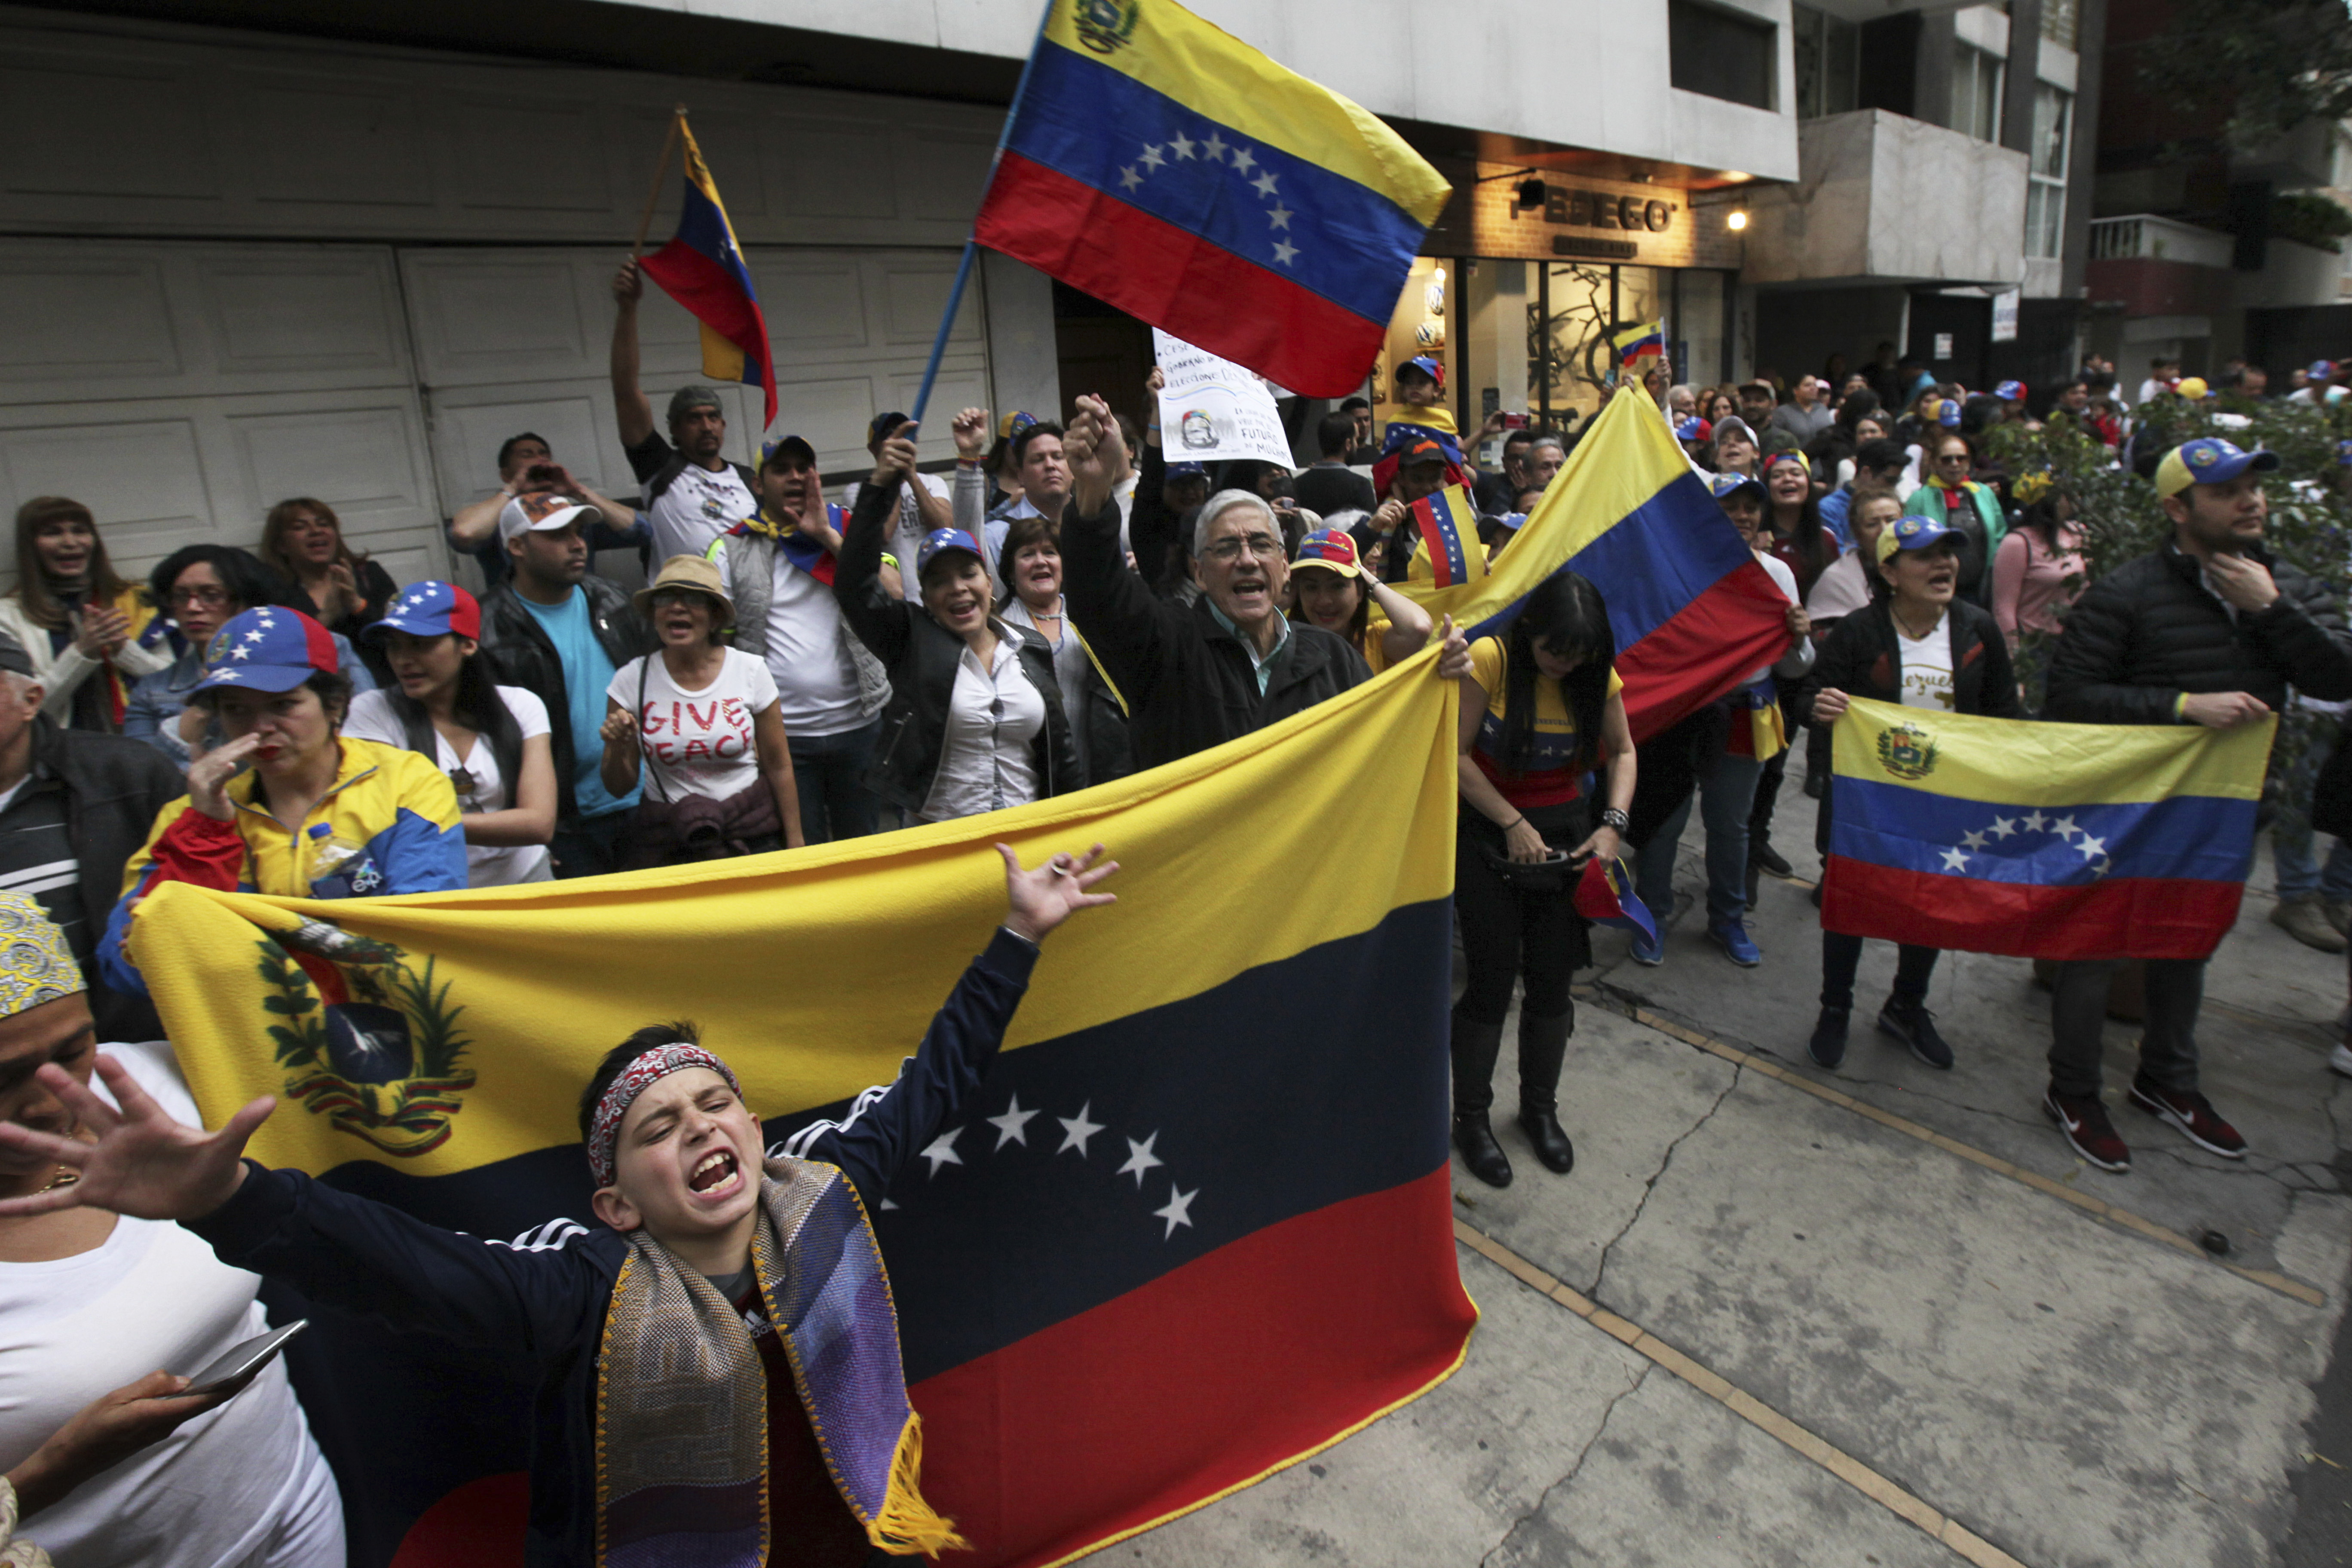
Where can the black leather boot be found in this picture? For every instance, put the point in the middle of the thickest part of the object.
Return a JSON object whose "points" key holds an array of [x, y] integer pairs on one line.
{"points": [[1543, 1045], [1475, 1047]]}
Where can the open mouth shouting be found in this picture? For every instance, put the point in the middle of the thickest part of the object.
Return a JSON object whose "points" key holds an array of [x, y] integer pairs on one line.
{"points": [[716, 1174]]}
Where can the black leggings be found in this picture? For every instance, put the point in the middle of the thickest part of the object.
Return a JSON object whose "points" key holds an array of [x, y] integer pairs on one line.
{"points": [[1510, 936], [1841, 956]]}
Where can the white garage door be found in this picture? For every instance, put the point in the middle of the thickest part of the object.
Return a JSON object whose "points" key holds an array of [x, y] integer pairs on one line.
{"points": [[180, 388]]}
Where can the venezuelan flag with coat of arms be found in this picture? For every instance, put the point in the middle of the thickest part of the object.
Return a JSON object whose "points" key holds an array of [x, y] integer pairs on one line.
{"points": [[1165, 167], [1118, 1297], [703, 270], [1693, 612], [2061, 841]]}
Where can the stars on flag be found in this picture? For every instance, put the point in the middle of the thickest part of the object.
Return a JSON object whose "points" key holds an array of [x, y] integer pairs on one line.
{"points": [[2098, 859], [240, 652], [1011, 1125], [1215, 149]]}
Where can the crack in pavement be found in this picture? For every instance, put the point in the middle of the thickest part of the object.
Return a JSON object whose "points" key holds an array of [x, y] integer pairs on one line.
{"points": [[1601, 1271], [1544, 1497]]}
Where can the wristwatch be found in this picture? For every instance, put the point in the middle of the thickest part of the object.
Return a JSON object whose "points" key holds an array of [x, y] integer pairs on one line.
{"points": [[1612, 817]]}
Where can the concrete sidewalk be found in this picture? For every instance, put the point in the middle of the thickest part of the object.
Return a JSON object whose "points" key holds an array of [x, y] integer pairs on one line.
{"points": [[1875, 1317]]}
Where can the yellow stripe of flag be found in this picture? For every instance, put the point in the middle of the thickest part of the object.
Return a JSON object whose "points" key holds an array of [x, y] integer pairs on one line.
{"points": [[2009, 761], [1207, 70]]}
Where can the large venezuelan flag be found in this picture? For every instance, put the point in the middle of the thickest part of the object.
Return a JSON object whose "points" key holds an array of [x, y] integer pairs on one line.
{"points": [[1195, 1225], [1693, 612], [2040, 840], [702, 268], [1165, 167]]}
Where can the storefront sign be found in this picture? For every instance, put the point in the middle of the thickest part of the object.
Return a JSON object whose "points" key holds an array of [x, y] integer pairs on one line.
{"points": [[1586, 219], [1598, 209], [2004, 315]]}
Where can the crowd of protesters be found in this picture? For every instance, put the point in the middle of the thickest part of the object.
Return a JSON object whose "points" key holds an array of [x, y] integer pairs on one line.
{"points": [[1064, 609]]}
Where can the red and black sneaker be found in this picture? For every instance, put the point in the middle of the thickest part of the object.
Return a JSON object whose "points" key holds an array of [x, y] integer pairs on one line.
{"points": [[2083, 1123], [2193, 1114]]}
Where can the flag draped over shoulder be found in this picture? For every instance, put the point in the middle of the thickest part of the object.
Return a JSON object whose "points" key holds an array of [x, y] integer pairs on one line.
{"points": [[1165, 167], [1118, 1297], [1693, 612], [703, 270], [2061, 841]]}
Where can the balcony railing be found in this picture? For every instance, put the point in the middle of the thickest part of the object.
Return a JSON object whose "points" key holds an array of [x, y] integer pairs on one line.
{"points": [[2144, 235]]}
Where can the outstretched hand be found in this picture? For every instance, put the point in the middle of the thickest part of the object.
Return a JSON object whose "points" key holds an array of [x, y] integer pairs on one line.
{"points": [[140, 1162], [1045, 898]]}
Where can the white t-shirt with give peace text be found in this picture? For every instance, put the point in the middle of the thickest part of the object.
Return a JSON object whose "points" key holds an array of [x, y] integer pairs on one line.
{"points": [[700, 741]]}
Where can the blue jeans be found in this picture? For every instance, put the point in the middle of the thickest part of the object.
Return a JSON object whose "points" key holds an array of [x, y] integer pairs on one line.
{"points": [[1724, 798], [2300, 873], [830, 770]]}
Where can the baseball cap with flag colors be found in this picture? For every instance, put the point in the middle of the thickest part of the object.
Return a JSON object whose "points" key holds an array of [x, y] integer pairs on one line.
{"points": [[539, 512], [1328, 547], [2208, 461], [430, 609], [268, 649], [940, 541]]}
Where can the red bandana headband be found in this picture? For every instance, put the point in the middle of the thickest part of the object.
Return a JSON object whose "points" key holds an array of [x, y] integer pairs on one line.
{"points": [[604, 1127]]}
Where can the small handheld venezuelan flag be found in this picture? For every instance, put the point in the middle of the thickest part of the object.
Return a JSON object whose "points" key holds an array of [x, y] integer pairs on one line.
{"points": [[1605, 896], [1167, 168], [1636, 346], [1450, 551], [702, 268]]}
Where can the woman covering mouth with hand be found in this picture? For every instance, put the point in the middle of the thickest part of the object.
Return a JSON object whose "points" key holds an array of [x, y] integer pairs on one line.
{"points": [[976, 720]]}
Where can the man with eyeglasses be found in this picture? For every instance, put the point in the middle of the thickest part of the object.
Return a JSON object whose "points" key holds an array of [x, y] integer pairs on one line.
{"points": [[1231, 663]]}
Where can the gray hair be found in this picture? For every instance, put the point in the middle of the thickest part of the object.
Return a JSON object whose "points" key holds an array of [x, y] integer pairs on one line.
{"points": [[1218, 505], [1554, 442]]}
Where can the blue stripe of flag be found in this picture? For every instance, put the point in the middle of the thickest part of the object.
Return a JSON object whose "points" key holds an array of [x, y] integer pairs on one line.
{"points": [[1449, 534], [1091, 124], [2198, 838], [701, 225], [1653, 561]]}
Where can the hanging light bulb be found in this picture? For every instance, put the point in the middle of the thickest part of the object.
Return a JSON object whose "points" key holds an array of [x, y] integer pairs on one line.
{"points": [[1738, 219]]}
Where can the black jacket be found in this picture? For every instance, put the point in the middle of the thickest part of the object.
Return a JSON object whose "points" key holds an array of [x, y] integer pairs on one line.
{"points": [[1861, 658], [114, 789], [1189, 683], [2148, 632], [521, 654], [922, 657]]}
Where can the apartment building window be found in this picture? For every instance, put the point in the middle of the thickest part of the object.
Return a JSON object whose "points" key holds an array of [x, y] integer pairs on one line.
{"points": [[1723, 54], [1829, 62], [1975, 92], [2045, 191], [2062, 22]]}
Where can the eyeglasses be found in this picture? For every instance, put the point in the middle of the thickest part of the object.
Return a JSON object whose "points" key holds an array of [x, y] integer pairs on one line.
{"points": [[207, 598], [1264, 546]]}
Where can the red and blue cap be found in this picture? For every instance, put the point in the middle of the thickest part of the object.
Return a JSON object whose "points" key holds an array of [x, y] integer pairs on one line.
{"points": [[2011, 392], [268, 649], [1427, 365], [1331, 547], [940, 541], [430, 609]]}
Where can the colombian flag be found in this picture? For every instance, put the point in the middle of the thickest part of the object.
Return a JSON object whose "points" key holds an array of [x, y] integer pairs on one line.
{"points": [[702, 268], [1165, 167], [2040, 840], [1693, 612], [1120, 1295], [1450, 552]]}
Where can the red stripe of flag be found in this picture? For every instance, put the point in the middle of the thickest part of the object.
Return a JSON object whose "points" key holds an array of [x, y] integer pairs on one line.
{"points": [[1175, 280], [1290, 1334], [2128, 916], [715, 295], [1703, 650]]}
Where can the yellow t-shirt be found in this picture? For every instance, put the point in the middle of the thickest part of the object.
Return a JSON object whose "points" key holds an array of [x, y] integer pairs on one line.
{"points": [[1548, 778]]}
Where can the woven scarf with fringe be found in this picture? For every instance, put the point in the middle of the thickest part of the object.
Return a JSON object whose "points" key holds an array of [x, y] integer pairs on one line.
{"points": [[682, 1401]]}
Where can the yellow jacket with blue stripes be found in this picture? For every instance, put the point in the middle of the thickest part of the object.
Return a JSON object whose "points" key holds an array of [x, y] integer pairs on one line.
{"points": [[389, 825]]}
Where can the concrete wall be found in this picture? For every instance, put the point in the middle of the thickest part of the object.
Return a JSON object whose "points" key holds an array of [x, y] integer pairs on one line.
{"points": [[1583, 73], [1889, 199]]}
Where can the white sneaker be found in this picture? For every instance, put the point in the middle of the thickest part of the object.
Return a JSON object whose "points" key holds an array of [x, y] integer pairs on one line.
{"points": [[2340, 1059]]}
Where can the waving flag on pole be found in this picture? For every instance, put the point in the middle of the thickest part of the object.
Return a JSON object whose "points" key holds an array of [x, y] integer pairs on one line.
{"points": [[2059, 841], [1169, 168], [702, 268]]}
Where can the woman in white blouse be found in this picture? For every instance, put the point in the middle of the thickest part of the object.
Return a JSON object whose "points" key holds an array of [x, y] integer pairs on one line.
{"points": [[493, 741]]}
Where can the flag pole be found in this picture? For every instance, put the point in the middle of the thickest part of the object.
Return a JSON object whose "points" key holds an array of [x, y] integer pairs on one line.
{"points": [[661, 168], [971, 245]]}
